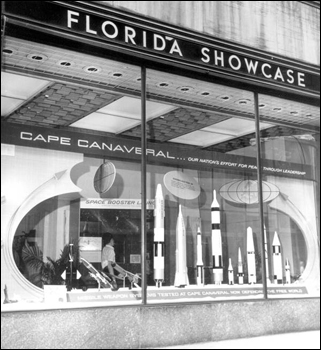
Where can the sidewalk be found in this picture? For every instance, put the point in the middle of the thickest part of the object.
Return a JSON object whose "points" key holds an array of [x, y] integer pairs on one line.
{"points": [[298, 340]]}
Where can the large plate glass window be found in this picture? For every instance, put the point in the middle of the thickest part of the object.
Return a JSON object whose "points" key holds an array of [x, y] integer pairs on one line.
{"points": [[73, 177], [206, 242], [290, 152]]}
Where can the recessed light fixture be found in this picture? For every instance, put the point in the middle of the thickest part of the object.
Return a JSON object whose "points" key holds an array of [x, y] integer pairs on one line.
{"points": [[164, 84], [185, 89], [8, 51], [117, 74], [294, 113], [309, 115], [262, 105], [204, 93], [243, 102], [37, 57], [65, 63], [277, 109], [92, 69], [224, 97]]}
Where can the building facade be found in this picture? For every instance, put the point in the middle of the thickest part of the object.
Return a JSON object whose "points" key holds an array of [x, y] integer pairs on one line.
{"points": [[190, 131]]}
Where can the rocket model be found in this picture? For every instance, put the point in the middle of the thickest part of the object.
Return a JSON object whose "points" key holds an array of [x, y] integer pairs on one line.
{"points": [[277, 259], [159, 237], [71, 274], [230, 272], [251, 269], [266, 257], [181, 278], [199, 260], [240, 273], [287, 272], [216, 241]]}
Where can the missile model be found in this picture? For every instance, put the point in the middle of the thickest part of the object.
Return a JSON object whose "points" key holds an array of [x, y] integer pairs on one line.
{"points": [[199, 260], [287, 272], [216, 241], [251, 269], [159, 237], [181, 278], [240, 273], [277, 259], [230, 272], [266, 257]]}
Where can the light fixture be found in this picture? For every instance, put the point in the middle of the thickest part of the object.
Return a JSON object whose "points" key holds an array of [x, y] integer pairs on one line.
{"points": [[224, 97], [37, 57], [185, 89], [92, 69], [8, 51], [204, 93], [117, 74], [65, 63], [164, 84], [243, 102]]}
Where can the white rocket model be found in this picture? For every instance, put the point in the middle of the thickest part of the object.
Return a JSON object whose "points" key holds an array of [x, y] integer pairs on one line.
{"points": [[251, 269], [287, 272], [199, 260], [266, 258], [240, 273], [159, 237], [216, 241], [277, 259], [230, 272], [181, 278]]}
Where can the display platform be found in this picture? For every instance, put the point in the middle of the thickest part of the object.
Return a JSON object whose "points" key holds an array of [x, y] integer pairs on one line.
{"points": [[189, 293]]}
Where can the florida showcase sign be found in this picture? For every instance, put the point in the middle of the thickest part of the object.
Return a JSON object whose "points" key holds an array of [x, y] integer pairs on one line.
{"points": [[155, 40], [130, 150]]}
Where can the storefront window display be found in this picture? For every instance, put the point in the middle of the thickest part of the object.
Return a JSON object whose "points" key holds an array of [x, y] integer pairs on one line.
{"points": [[206, 247], [291, 219], [215, 226]]}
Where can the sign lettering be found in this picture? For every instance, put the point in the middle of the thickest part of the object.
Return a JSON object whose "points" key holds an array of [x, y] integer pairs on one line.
{"points": [[153, 41]]}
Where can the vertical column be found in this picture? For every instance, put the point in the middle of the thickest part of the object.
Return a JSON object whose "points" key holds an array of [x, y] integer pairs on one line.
{"points": [[143, 183], [259, 180]]}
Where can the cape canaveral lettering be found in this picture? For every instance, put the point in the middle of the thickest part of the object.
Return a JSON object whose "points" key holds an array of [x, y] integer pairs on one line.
{"points": [[98, 145], [124, 149]]}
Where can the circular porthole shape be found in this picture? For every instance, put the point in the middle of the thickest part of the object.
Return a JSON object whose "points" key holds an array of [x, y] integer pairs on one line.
{"points": [[9, 51], [92, 69], [37, 57], [65, 63]]}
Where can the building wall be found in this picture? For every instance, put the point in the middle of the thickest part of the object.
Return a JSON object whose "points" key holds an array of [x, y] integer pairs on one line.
{"points": [[157, 326], [287, 28]]}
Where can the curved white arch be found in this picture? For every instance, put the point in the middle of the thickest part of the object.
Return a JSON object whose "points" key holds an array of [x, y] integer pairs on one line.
{"points": [[59, 184], [297, 213]]}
